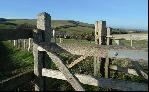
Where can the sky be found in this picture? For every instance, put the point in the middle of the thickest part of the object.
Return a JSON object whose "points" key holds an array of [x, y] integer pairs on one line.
{"points": [[116, 13]]}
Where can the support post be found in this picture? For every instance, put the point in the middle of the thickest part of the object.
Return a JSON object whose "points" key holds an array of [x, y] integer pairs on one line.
{"points": [[29, 44], [14, 42], [100, 32], [100, 38], [109, 41], [118, 41], [54, 37], [108, 60], [24, 43], [61, 40], [131, 40], [42, 34]]}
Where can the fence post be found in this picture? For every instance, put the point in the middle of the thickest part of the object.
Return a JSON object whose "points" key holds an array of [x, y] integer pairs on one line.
{"points": [[24, 43], [42, 34], [108, 60], [131, 40], [100, 38], [14, 42], [54, 37], [61, 40], [29, 44], [109, 41]]}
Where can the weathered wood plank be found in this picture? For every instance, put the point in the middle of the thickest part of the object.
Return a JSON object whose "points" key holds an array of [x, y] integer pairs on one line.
{"points": [[102, 82], [14, 34], [11, 83], [130, 36], [108, 60], [97, 50], [106, 68], [97, 64], [124, 69], [38, 60], [63, 68], [76, 61]]}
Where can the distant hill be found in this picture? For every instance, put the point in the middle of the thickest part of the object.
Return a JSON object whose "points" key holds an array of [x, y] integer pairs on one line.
{"points": [[65, 26]]}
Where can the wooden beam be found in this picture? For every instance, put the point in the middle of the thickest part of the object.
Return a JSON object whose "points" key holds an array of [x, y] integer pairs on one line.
{"points": [[38, 60], [11, 83], [97, 63], [129, 37], [124, 69], [76, 61], [68, 75], [106, 67], [97, 50], [102, 82], [14, 34]]}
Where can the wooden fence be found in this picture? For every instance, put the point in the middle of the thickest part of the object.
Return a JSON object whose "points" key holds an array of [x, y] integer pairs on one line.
{"points": [[42, 46]]}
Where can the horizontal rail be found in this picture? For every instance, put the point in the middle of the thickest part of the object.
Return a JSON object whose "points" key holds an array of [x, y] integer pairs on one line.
{"points": [[130, 36], [14, 34], [124, 69], [102, 82], [15, 81], [97, 50]]}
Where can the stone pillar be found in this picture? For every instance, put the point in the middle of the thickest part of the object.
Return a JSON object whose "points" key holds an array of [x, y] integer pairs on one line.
{"points": [[41, 34], [44, 23], [100, 32], [100, 38]]}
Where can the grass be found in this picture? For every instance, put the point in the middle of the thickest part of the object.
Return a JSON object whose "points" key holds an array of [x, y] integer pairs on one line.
{"points": [[77, 30], [13, 60]]}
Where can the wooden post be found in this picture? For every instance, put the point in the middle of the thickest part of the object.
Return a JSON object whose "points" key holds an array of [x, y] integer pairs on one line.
{"points": [[14, 42], [42, 34], [131, 40], [54, 37], [29, 44], [109, 41], [60, 40], [118, 41], [100, 38], [131, 43], [108, 60], [24, 43]]}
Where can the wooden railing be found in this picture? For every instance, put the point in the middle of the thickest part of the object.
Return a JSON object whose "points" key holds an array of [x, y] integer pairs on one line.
{"points": [[42, 46]]}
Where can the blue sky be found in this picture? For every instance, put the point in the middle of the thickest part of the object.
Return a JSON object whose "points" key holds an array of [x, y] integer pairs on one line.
{"points": [[117, 13]]}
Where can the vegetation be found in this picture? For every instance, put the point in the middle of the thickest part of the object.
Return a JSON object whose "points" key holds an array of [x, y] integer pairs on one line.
{"points": [[16, 60], [13, 60]]}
